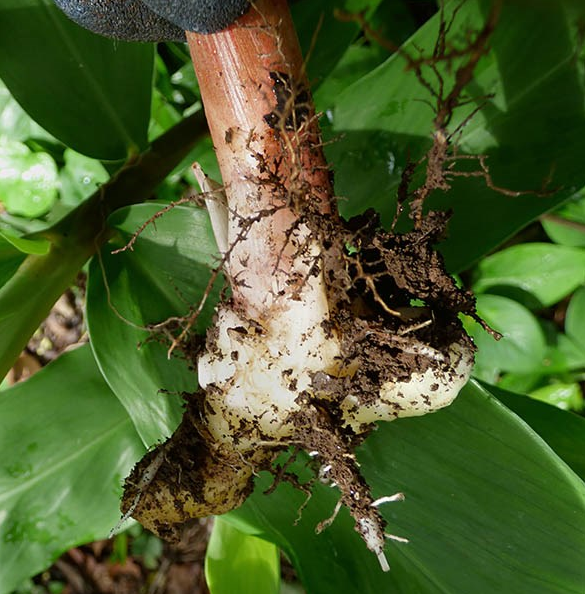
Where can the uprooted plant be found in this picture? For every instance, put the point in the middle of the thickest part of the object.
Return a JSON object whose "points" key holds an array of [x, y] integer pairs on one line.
{"points": [[330, 325]]}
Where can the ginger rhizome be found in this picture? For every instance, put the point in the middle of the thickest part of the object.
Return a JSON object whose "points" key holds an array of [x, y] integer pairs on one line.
{"points": [[323, 334]]}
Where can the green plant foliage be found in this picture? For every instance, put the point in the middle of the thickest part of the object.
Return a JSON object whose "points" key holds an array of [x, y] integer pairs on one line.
{"points": [[10, 259], [146, 545], [76, 236], [80, 177], [99, 89], [548, 273], [563, 431], [167, 268], [523, 345], [489, 507], [62, 464], [238, 562], [15, 123], [567, 226], [24, 303], [575, 318], [565, 396], [531, 123], [323, 37], [29, 182], [39, 247]]}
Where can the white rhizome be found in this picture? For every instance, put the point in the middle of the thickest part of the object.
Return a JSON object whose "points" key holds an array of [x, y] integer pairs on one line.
{"points": [[283, 363]]}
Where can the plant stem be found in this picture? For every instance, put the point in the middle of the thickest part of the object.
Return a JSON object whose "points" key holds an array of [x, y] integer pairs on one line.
{"points": [[27, 298], [266, 138]]}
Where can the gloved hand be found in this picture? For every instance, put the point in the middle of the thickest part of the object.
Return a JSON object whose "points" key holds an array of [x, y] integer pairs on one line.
{"points": [[153, 20]]}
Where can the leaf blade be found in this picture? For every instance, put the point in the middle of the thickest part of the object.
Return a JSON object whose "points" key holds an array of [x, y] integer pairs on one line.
{"points": [[515, 129], [104, 84], [479, 490], [238, 562], [167, 269], [73, 456]]}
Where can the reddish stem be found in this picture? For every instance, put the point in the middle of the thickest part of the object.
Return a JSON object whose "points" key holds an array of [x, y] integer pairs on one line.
{"points": [[269, 152]]}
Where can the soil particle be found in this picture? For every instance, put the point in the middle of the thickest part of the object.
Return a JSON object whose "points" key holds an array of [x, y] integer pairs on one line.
{"points": [[292, 103]]}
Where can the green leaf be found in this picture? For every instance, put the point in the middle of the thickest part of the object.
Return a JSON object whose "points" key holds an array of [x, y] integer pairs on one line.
{"points": [[561, 395], [564, 231], [67, 444], [357, 61], [10, 259], [238, 562], [521, 383], [535, 124], [80, 177], [563, 355], [571, 352], [164, 115], [23, 306], [546, 271], [15, 123], [166, 270], [323, 37], [567, 225], [489, 508], [575, 318], [563, 431], [522, 347], [99, 88], [29, 181], [27, 246]]}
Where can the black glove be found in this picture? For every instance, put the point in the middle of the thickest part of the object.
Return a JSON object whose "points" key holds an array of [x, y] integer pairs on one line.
{"points": [[153, 20], [202, 16]]}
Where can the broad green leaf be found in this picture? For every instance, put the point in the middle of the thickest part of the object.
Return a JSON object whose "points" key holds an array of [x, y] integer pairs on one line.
{"points": [[99, 89], [521, 383], [358, 60], [563, 354], [534, 125], [562, 395], [564, 231], [522, 347], [28, 181], [10, 259], [163, 116], [15, 123], [391, 20], [23, 305], [575, 318], [27, 246], [323, 37], [567, 225], [238, 562], [166, 270], [67, 445], [563, 431], [546, 271], [489, 508], [80, 177], [571, 352]]}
